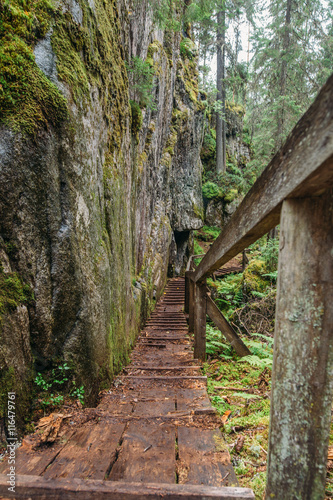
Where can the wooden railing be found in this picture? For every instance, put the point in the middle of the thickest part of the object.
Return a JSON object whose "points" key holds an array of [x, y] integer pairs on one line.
{"points": [[295, 190]]}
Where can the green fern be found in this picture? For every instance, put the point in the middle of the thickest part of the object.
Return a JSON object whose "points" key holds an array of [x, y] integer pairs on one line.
{"points": [[261, 363]]}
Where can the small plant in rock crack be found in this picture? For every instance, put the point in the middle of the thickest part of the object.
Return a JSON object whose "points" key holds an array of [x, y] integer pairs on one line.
{"points": [[53, 385]]}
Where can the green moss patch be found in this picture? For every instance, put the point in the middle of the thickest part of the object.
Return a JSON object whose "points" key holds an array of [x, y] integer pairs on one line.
{"points": [[13, 292], [28, 99], [137, 118]]}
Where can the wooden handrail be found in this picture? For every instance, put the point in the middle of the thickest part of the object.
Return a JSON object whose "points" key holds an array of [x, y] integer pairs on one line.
{"points": [[303, 167]]}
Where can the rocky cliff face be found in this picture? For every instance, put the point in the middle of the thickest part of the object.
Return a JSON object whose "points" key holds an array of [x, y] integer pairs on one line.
{"points": [[220, 205], [94, 212]]}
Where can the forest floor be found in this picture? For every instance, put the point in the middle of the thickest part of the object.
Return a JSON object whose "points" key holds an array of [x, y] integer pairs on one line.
{"points": [[239, 388], [240, 393]]}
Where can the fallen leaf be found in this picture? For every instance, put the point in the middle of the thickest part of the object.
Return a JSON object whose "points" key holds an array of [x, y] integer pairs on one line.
{"points": [[225, 416], [330, 453]]}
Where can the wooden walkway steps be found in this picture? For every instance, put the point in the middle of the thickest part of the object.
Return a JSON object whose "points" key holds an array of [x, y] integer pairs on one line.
{"points": [[154, 435]]}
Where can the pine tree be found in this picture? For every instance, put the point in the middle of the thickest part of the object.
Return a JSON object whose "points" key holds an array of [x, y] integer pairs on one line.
{"points": [[288, 70]]}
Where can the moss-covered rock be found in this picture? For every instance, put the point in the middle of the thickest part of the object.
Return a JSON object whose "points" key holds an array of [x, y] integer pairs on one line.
{"points": [[87, 207], [137, 118], [28, 100], [188, 49]]}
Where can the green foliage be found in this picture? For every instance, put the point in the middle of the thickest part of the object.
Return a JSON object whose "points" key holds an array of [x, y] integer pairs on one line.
{"points": [[197, 248], [262, 351], [188, 49], [249, 410], [288, 69], [210, 190], [28, 99], [270, 254], [207, 233], [258, 362], [141, 76], [214, 344], [167, 14], [77, 392], [229, 293], [53, 386]]}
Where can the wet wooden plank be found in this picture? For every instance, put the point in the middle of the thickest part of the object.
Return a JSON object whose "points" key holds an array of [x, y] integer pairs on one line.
{"points": [[147, 454], [204, 458], [155, 408], [89, 452], [167, 378], [34, 462], [162, 368], [192, 399], [38, 488]]}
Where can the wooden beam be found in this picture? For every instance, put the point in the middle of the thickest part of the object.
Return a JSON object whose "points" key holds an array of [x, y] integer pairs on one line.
{"points": [[200, 311], [303, 167], [302, 381], [38, 488], [222, 324]]}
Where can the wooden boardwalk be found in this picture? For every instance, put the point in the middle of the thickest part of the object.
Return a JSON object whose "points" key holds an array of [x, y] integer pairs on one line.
{"points": [[154, 435]]}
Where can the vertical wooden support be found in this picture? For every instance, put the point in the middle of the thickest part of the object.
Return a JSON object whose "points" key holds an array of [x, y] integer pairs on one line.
{"points": [[303, 352], [190, 302], [200, 311]]}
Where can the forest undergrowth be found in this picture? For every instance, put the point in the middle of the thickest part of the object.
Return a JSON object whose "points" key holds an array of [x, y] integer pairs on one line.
{"points": [[240, 388]]}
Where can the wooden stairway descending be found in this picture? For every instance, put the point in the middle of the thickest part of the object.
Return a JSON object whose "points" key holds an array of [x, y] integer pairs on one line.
{"points": [[154, 435]]}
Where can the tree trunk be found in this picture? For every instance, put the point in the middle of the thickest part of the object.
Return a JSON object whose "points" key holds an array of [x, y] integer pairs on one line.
{"points": [[302, 381], [220, 75], [283, 77]]}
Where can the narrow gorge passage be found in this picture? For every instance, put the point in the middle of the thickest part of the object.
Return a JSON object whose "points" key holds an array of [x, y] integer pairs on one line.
{"points": [[156, 425]]}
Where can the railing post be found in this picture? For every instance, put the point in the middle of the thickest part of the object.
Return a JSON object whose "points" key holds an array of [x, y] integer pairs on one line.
{"points": [[200, 311], [302, 381]]}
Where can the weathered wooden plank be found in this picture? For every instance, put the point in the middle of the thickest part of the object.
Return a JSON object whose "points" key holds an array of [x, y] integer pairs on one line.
{"points": [[161, 407], [222, 324], [35, 462], [200, 311], [162, 368], [38, 488], [192, 399], [204, 458], [167, 377], [88, 454], [303, 167], [147, 454], [302, 382]]}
